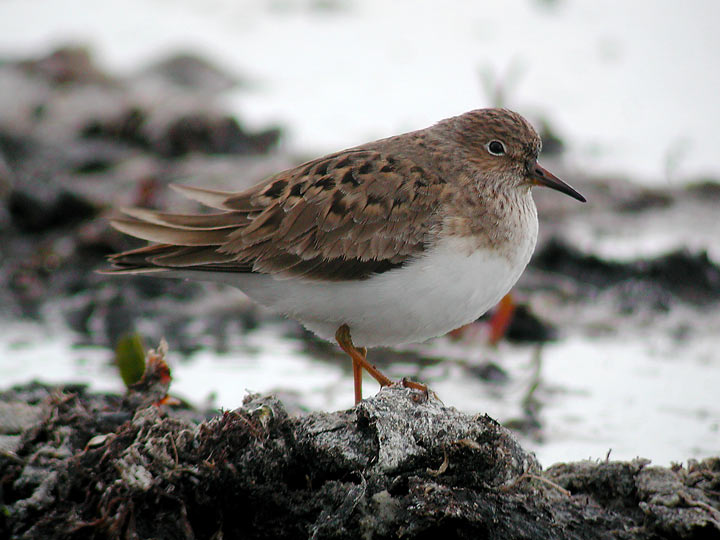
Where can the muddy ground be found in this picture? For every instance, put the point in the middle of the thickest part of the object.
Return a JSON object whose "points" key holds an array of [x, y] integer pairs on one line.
{"points": [[77, 142], [398, 465]]}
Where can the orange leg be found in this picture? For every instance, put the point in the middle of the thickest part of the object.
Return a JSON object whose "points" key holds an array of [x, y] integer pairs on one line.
{"points": [[359, 359], [501, 319], [357, 375]]}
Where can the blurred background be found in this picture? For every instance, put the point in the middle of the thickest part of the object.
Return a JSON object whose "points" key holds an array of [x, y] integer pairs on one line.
{"points": [[614, 345]]}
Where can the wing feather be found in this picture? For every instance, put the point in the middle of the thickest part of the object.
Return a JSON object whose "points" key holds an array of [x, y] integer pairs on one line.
{"points": [[343, 217]]}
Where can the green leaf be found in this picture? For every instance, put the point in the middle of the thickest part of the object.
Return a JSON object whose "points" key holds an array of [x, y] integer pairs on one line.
{"points": [[130, 358]]}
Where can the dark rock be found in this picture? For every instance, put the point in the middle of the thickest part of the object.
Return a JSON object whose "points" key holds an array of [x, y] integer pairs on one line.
{"points": [[70, 64], [680, 275], [212, 135], [526, 327], [78, 319], [706, 189], [398, 465], [35, 393], [644, 201], [559, 257], [552, 143], [94, 165], [680, 502], [127, 127], [489, 372], [14, 148], [189, 71], [34, 215], [183, 133]]}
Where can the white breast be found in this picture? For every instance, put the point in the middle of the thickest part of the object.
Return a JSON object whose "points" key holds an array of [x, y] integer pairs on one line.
{"points": [[448, 286]]}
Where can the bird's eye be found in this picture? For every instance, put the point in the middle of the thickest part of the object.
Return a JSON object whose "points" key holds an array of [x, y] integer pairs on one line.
{"points": [[496, 148]]}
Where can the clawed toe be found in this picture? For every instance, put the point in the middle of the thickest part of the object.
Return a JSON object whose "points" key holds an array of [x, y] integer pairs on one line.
{"points": [[424, 391]]}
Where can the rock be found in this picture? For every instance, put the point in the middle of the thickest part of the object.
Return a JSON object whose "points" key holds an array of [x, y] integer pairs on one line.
{"points": [[670, 503], [645, 200], [707, 189], [680, 275], [398, 465], [489, 371], [66, 65], [527, 327], [31, 214], [212, 135], [189, 71], [16, 417]]}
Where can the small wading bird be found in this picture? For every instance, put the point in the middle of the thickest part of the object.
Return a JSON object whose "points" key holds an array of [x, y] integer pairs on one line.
{"points": [[394, 241]]}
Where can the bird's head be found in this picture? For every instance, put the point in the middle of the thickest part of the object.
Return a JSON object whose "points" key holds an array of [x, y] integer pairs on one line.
{"points": [[504, 148]]}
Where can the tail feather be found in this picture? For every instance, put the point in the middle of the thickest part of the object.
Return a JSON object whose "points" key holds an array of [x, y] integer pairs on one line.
{"points": [[225, 220], [191, 256], [181, 242], [162, 257], [166, 234], [209, 197]]}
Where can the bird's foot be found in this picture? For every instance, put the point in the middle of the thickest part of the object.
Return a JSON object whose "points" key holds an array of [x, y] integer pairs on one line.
{"points": [[423, 392]]}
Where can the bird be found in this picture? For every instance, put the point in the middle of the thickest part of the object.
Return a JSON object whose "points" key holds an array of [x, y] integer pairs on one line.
{"points": [[390, 242]]}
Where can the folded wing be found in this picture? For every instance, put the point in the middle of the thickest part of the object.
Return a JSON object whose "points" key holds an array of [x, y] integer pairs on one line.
{"points": [[341, 217]]}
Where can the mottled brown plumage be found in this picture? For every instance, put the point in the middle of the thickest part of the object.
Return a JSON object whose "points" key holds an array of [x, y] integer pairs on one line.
{"points": [[346, 215]]}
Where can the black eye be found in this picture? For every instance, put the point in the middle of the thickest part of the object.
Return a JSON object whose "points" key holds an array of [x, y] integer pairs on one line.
{"points": [[496, 148]]}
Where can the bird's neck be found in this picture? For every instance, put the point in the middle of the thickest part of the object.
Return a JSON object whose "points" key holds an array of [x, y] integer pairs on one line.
{"points": [[505, 220]]}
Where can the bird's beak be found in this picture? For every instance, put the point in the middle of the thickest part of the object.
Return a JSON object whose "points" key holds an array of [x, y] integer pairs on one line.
{"points": [[542, 177]]}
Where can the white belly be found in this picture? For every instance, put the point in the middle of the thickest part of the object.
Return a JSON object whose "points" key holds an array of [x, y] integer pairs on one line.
{"points": [[444, 289]]}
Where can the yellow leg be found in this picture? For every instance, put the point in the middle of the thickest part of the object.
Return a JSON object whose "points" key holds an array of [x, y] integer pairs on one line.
{"points": [[359, 359], [501, 319], [357, 375]]}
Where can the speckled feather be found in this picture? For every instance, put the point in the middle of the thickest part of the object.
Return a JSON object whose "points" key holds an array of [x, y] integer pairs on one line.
{"points": [[355, 213]]}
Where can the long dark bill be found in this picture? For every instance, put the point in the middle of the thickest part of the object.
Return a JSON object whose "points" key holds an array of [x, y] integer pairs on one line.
{"points": [[543, 177]]}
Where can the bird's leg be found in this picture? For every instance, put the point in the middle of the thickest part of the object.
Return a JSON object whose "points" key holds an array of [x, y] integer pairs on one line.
{"points": [[501, 319], [357, 375], [359, 359], [358, 355]]}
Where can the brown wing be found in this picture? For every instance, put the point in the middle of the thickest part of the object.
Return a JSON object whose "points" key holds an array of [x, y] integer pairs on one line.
{"points": [[340, 217]]}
